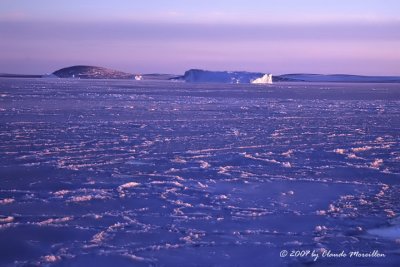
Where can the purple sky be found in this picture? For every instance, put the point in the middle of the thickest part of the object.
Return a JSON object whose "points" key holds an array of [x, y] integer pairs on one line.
{"points": [[358, 36]]}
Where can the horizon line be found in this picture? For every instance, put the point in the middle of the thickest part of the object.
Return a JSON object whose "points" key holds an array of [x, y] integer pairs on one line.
{"points": [[194, 68]]}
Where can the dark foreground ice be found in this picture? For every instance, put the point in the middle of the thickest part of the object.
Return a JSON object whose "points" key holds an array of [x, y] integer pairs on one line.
{"points": [[125, 173]]}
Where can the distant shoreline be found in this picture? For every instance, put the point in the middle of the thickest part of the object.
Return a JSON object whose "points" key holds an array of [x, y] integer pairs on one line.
{"points": [[203, 76]]}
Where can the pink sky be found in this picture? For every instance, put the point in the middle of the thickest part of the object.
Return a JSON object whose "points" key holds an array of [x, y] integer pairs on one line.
{"points": [[357, 38]]}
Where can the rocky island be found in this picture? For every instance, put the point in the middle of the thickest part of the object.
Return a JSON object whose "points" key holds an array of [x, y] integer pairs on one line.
{"points": [[91, 72]]}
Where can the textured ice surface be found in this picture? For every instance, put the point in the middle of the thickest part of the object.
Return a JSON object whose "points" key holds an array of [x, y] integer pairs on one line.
{"points": [[121, 173]]}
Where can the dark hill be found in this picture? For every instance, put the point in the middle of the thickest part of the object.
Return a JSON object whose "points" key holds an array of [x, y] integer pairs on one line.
{"points": [[91, 72]]}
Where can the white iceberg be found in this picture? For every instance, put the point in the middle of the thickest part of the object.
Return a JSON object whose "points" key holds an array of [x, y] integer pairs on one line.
{"points": [[266, 79], [231, 77]]}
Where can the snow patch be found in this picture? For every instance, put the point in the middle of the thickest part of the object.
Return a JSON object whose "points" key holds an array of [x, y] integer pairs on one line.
{"points": [[6, 201], [7, 219], [128, 185], [204, 164], [377, 163], [99, 237], [360, 149], [121, 189], [288, 153], [61, 193], [286, 164], [339, 151], [320, 228], [51, 258], [86, 198], [55, 221]]}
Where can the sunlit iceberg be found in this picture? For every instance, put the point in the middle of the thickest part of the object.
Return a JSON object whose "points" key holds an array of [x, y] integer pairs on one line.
{"points": [[266, 79]]}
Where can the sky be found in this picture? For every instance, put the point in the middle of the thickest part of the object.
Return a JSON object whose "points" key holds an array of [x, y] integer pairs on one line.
{"points": [[158, 36]]}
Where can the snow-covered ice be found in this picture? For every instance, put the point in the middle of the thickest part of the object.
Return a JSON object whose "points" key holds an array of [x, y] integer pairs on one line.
{"points": [[118, 172]]}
